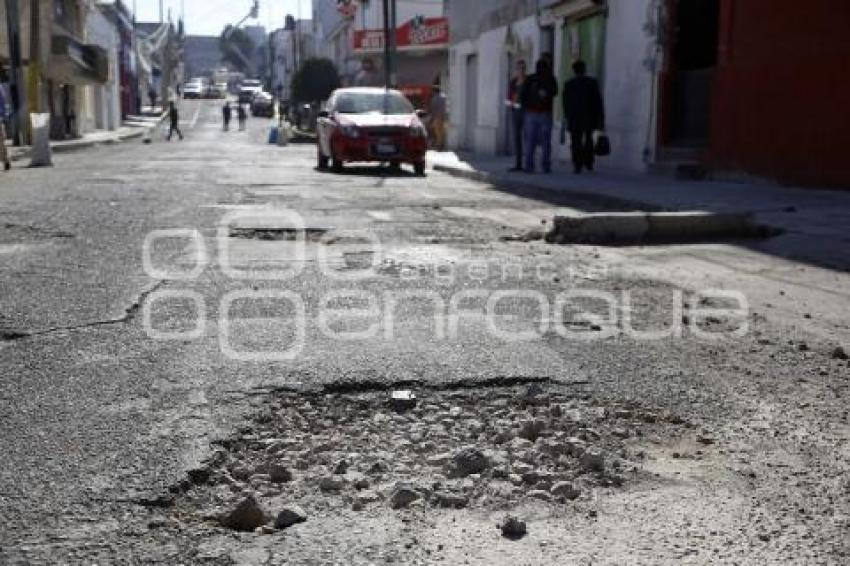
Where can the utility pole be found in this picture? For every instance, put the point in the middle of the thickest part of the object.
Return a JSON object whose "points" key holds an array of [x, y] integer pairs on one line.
{"points": [[33, 89], [387, 41], [393, 51], [13, 25]]}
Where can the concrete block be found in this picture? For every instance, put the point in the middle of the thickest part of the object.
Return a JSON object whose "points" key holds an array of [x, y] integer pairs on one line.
{"points": [[700, 225], [614, 227]]}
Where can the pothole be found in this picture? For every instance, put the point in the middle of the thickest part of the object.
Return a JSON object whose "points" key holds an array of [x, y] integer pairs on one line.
{"points": [[12, 335], [495, 447], [278, 234]]}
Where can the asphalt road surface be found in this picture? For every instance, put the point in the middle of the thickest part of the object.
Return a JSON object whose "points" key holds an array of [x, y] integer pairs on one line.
{"points": [[157, 299]]}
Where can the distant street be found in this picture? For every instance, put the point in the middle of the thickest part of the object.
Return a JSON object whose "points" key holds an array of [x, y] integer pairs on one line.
{"points": [[188, 325]]}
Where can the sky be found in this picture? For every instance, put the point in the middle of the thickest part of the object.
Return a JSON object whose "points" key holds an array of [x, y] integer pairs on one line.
{"points": [[208, 17]]}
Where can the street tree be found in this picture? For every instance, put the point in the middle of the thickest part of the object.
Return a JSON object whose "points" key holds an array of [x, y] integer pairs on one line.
{"points": [[237, 49], [315, 80]]}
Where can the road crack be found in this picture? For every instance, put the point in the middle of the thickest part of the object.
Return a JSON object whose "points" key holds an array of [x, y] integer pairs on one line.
{"points": [[10, 335]]}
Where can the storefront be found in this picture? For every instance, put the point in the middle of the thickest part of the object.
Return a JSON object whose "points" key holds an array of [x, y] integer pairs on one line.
{"points": [[421, 55]]}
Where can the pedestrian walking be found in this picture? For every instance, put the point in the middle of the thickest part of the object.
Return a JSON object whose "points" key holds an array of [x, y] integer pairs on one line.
{"points": [[514, 103], [538, 95], [152, 97], [226, 113], [4, 114], [584, 112], [242, 115], [4, 152], [438, 116], [174, 117]]}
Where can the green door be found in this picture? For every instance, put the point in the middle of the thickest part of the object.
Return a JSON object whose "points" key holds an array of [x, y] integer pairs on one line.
{"points": [[584, 38]]}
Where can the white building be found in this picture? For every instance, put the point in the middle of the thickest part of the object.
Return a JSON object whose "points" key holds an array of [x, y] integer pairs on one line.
{"points": [[617, 38], [101, 103], [291, 47]]}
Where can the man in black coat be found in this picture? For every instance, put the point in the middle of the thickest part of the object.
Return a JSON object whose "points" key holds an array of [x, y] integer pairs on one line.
{"points": [[584, 112]]}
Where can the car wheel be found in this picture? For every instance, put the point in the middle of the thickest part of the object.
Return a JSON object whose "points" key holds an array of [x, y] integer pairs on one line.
{"points": [[419, 169], [322, 159], [395, 166]]}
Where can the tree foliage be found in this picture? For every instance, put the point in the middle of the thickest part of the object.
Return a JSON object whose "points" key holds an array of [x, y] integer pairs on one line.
{"points": [[237, 49], [315, 80]]}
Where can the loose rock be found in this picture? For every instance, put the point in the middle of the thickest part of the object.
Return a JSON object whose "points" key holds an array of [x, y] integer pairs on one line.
{"points": [[279, 473], [531, 429], [290, 515], [450, 500], [513, 528], [402, 400], [403, 495], [565, 490], [593, 461], [330, 484], [840, 354], [246, 516], [467, 461]]}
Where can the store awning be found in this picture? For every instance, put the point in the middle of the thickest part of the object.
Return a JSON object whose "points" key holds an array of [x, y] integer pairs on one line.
{"points": [[570, 9], [74, 62]]}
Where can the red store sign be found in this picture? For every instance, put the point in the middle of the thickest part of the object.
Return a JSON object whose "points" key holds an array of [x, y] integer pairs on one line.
{"points": [[431, 32]]}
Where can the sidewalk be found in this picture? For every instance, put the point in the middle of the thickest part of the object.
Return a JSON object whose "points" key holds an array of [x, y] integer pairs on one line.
{"points": [[134, 127], [816, 222]]}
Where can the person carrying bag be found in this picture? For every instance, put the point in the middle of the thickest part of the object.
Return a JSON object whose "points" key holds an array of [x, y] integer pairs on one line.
{"points": [[584, 113]]}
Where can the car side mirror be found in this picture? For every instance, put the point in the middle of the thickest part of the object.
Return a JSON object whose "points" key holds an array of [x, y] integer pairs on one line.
{"points": [[324, 114], [421, 113]]}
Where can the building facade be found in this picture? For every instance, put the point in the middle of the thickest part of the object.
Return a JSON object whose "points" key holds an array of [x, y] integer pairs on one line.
{"points": [[121, 17], [59, 62], [101, 102], [333, 30], [722, 85], [290, 48], [202, 55]]}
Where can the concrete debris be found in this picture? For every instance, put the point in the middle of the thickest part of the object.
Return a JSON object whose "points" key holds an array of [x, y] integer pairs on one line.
{"points": [[403, 495], [246, 516], [290, 515], [513, 528]]}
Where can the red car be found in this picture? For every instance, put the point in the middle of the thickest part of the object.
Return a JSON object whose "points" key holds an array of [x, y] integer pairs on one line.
{"points": [[371, 124]]}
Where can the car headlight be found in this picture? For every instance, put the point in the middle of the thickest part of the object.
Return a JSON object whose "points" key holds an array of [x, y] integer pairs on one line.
{"points": [[350, 131], [418, 131]]}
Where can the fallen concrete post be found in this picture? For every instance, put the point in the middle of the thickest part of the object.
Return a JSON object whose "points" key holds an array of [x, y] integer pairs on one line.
{"points": [[654, 227]]}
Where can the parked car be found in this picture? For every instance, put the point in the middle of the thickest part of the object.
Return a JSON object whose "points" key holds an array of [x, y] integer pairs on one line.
{"points": [[194, 89], [263, 105], [371, 125], [248, 89], [218, 90]]}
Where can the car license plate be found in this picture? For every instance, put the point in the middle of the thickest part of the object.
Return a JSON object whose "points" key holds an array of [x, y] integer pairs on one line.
{"points": [[385, 149]]}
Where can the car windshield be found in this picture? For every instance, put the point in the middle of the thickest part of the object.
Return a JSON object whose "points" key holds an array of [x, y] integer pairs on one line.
{"points": [[373, 103]]}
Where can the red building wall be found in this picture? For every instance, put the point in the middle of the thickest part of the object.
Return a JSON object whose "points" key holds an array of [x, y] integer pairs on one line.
{"points": [[781, 97]]}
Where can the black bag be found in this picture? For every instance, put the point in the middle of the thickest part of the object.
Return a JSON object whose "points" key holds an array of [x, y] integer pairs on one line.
{"points": [[602, 147]]}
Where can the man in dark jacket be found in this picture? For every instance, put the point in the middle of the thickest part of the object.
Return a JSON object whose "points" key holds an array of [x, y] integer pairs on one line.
{"points": [[584, 112], [538, 94]]}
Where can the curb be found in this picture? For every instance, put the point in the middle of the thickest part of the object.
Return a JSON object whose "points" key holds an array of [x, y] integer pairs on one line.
{"points": [[604, 201], [651, 224], [77, 145]]}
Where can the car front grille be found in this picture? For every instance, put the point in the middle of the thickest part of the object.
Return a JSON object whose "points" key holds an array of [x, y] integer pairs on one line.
{"points": [[385, 131]]}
